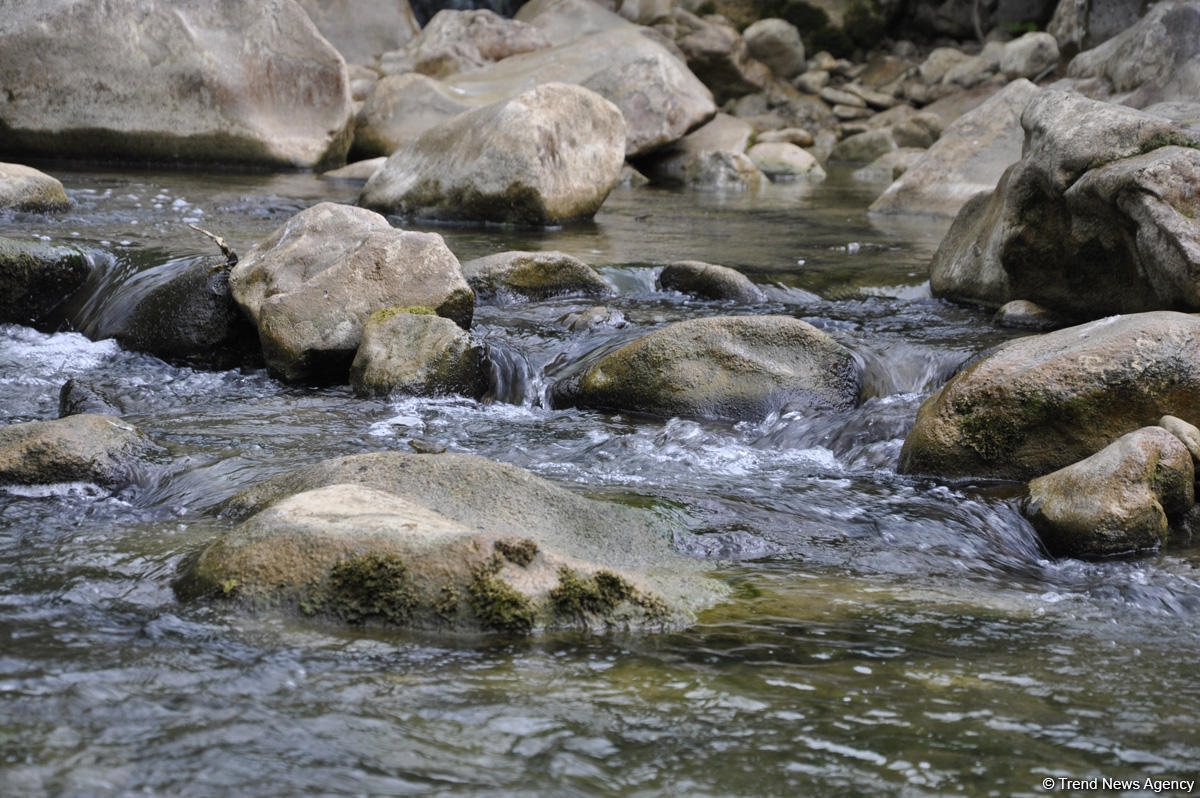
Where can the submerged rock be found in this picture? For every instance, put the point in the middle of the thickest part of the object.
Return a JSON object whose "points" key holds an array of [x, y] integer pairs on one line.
{"points": [[86, 447], [548, 156], [1098, 217], [312, 284], [1037, 404], [709, 281], [447, 541], [192, 81], [1120, 500], [730, 368], [26, 189], [521, 276], [36, 278], [417, 354], [75, 397]]}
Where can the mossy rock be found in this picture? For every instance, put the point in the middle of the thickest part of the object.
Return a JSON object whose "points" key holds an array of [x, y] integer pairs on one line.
{"points": [[35, 278]]}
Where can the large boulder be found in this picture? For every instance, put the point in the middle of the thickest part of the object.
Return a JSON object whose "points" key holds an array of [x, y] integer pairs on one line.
{"points": [[87, 447], [1120, 500], [35, 278], [508, 277], [311, 285], [459, 41], [1039, 403], [363, 29], [545, 157], [968, 158], [659, 97], [1098, 217], [776, 43], [447, 541], [718, 55], [729, 368], [417, 354], [24, 188], [1156, 60], [190, 81]]}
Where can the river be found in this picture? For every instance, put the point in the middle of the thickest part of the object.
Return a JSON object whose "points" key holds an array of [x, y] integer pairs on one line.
{"points": [[887, 635]]}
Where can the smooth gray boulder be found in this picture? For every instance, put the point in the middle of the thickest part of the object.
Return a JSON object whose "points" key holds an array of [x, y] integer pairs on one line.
{"points": [[776, 43], [1083, 24], [709, 281], [1039, 403], [967, 160], [1098, 217], [24, 188], [417, 354], [449, 542], [312, 284], [511, 277], [781, 161], [36, 278], [238, 82], [1121, 500], [363, 29], [1155, 60], [459, 41], [1029, 56], [548, 156], [728, 368], [87, 447]]}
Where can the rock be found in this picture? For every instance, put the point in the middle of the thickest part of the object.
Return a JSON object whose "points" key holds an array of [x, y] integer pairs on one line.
{"points": [[718, 55], [709, 281], [1096, 218], [400, 108], [312, 284], [1187, 434], [80, 448], [920, 129], [864, 147], [1021, 314], [776, 43], [781, 161], [713, 156], [23, 188], [181, 311], [459, 41], [789, 135], [1029, 56], [889, 166], [594, 318], [839, 97], [966, 161], [645, 12], [360, 171], [1037, 404], [361, 31], [977, 68], [812, 82], [1118, 501], [1083, 24], [508, 277], [417, 354], [190, 81], [447, 541], [727, 368], [548, 156], [1157, 59], [938, 64], [36, 278], [77, 397]]}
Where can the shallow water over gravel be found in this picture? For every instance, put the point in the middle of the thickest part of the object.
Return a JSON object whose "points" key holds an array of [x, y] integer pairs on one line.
{"points": [[887, 635]]}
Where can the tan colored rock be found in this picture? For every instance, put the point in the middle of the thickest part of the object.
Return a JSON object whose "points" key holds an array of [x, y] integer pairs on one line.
{"points": [[27, 189], [85, 447]]}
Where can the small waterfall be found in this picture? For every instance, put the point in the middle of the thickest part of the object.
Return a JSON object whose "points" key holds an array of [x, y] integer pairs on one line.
{"points": [[513, 379]]}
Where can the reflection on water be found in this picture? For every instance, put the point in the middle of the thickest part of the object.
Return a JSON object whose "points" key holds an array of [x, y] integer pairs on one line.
{"points": [[888, 635]]}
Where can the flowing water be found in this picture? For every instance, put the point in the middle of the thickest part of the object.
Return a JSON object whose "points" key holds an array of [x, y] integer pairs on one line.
{"points": [[886, 635]]}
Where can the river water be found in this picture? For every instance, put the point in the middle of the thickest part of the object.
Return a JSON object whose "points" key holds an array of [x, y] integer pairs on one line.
{"points": [[886, 636]]}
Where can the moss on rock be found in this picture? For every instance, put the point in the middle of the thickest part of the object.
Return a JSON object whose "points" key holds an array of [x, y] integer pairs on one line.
{"points": [[498, 605]]}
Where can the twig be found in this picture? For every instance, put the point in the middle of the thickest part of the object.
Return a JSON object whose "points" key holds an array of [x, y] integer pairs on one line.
{"points": [[231, 257]]}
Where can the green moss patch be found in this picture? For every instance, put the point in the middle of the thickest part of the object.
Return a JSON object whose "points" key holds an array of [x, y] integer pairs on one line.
{"points": [[368, 587], [497, 604], [579, 597], [518, 551]]}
